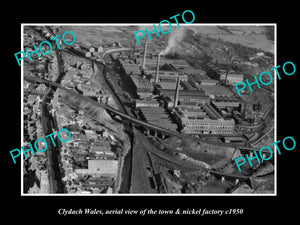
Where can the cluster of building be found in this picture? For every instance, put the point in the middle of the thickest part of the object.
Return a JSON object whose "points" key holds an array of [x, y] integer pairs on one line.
{"points": [[149, 108], [32, 122], [193, 98], [90, 160], [42, 67], [33, 99]]}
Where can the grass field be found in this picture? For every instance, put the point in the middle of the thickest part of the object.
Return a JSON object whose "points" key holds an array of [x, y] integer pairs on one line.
{"points": [[251, 36]]}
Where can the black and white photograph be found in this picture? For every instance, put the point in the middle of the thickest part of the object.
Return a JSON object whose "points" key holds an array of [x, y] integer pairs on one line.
{"points": [[152, 115], [149, 112]]}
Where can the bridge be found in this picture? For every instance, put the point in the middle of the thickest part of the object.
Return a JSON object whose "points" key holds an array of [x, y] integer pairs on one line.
{"points": [[218, 174]]}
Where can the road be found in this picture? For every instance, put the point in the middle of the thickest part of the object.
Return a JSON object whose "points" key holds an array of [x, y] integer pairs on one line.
{"points": [[54, 175]]}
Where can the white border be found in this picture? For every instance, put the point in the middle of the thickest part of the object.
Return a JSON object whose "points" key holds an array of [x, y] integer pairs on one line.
{"points": [[149, 24]]}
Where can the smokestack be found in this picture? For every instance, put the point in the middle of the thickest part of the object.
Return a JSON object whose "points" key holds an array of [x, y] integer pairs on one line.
{"points": [[176, 92], [157, 68], [144, 58], [226, 76]]}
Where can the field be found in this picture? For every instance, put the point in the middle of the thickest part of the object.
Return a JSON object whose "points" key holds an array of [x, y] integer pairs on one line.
{"points": [[251, 36], [101, 35]]}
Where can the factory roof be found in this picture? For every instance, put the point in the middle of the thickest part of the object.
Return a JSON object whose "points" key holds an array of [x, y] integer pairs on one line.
{"points": [[145, 103], [191, 93], [158, 117], [193, 119], [100, 167], [222, 98], [191, 109], [195, 71], [164, 72], [212, 81], [210, 112], [168, 84], [187, 85], [198, 76], [141, 82], [95, 164], [234, 74], [215, 90], [152, 110]]}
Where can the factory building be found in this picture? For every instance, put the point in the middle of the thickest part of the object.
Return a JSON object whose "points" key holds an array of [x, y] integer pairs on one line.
{"points": [[205, 120], [208, 126], [129, 66], [142, 86], [158, 116], [169, 84], [214, 91], [186, 98], [188, 86], [213, 71], [223, 102], [166, 75], [231, 78], [201, 79], [146, 103]]}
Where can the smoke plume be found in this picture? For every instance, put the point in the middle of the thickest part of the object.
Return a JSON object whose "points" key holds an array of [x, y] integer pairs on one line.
{"points": [[175, 38]]}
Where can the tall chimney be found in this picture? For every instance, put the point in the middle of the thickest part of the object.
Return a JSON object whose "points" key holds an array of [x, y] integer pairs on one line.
{"points": [[226, 76], [144, 58], [176, 92], [157, 68]]}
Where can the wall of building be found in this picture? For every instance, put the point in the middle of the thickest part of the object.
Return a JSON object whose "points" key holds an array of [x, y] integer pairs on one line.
{"points": [[200, 126]]}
